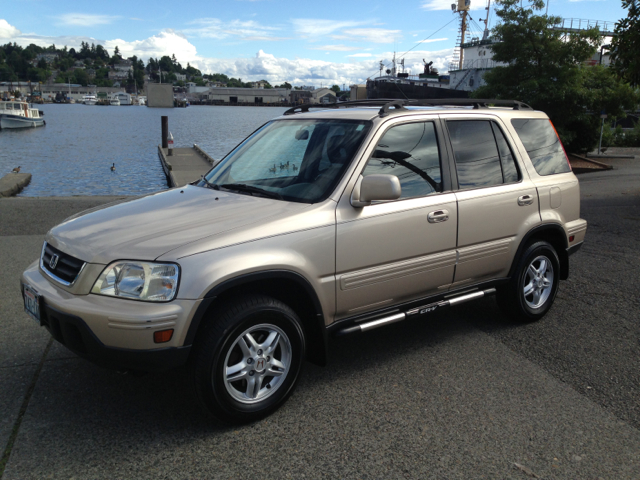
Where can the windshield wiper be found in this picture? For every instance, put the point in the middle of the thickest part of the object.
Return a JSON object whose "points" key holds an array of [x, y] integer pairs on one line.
{"points": [[242, 187], [209, 184]]}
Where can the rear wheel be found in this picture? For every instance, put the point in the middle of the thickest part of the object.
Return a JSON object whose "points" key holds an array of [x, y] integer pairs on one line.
{"points": [[531, 291], [248, 360]]}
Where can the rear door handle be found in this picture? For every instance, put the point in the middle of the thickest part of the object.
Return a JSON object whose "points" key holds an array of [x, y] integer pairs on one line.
{"points": [[438, 216], [525, 200]]}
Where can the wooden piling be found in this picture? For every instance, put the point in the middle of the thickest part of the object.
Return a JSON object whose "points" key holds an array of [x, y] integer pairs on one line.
{"points": [[165, 131]]}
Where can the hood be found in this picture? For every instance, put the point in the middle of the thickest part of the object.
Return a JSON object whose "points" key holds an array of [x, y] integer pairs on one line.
{"points": [[147, 227]]}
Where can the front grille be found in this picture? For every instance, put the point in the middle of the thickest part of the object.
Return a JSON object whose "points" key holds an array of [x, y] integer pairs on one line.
{"points": [[66, 269]]}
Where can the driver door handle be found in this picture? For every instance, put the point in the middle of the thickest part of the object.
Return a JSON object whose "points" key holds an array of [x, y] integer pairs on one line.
{"points": [[438, 216], [525, 200]]}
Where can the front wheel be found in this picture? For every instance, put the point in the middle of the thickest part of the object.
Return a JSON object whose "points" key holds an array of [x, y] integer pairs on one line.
{"points": [[249, 358], [530, 293]]}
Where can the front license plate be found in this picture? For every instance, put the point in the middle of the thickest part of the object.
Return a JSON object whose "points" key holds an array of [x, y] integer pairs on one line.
{"points": [[31, 302]]}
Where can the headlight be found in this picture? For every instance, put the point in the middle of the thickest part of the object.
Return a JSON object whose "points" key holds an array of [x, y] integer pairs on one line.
{"points": [[151, 282]]}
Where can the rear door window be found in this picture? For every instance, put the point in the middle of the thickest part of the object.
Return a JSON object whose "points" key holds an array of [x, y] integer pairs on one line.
{"points": [[542, 144]]}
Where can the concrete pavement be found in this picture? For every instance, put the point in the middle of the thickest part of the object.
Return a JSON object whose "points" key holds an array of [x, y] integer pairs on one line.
{"points": [[462, 395]]}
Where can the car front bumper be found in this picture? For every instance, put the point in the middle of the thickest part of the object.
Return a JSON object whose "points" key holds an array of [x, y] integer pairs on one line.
{"points": [[113, 332]]}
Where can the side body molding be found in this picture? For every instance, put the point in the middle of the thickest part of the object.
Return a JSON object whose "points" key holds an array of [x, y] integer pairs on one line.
{"points": [[314, 325]]}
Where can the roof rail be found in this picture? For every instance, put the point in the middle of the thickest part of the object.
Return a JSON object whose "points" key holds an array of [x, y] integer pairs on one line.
{"points": [[469, 102], [390, 105], [302, 109]]}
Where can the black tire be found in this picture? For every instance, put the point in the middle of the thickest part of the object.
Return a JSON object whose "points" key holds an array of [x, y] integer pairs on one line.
{"points": [[225, 342], [512, 297]]}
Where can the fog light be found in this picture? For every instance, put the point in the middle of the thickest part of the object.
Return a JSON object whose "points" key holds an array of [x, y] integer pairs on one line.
{"points": [[163, 336]]}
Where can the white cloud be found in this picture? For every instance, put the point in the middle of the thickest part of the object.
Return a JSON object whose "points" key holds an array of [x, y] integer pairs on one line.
{"points": [[85, 19], [8, 31], [298, 71], [311, 28], [167, 42], [335, 48], [374, 35], [217, 29], [304, 71]]}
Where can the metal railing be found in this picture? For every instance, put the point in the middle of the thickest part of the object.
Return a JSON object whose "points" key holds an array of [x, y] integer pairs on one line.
{"points": [[575, 24]]}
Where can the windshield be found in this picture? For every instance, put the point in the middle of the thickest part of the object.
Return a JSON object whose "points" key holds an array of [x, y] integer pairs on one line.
{"points": [[293, 160]]}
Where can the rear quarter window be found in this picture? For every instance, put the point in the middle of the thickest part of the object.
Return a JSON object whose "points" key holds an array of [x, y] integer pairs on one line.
{"points": [[542, 145]]}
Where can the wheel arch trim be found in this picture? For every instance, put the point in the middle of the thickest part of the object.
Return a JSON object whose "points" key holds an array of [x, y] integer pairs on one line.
{"points": [[316, 355], [539, 230]]}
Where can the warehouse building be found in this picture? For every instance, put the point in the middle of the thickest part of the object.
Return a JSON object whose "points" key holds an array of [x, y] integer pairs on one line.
{"points": [[252, 96]]}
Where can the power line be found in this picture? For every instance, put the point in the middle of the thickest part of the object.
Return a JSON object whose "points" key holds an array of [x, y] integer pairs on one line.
{"points": [[422, 41]]}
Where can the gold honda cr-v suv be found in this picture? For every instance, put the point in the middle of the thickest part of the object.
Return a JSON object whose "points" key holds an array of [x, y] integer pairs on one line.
{"points": [[319, 224]]}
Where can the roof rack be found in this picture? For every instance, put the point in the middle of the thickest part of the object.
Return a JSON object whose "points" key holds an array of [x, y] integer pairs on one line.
{"points": [[389, 105]]}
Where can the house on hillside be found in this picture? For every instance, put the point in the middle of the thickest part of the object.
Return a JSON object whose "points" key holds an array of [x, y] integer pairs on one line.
{"points": [[48, 57]]}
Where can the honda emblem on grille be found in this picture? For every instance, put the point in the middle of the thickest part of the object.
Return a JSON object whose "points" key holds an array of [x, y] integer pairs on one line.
{"points": [[54, 261]]}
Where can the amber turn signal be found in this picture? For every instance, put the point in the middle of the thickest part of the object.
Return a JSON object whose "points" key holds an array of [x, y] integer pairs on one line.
{"points": [[163, 336]]}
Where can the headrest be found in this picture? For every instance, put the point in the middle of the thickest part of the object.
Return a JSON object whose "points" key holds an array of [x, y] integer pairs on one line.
{"points": [[337, 149]]}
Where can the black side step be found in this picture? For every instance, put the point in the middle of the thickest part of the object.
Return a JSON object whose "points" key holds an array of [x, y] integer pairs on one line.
{"points": [[398, 317]]}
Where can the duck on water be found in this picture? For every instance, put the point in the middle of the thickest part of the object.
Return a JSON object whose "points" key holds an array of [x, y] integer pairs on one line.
{"points": [[14, 114]]}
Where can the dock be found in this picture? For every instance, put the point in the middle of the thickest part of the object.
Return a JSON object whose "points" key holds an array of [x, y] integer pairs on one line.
{"points": [[185, 165]]}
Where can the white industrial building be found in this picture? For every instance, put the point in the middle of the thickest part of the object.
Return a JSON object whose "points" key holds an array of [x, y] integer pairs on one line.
{"points": [[248, 95]]}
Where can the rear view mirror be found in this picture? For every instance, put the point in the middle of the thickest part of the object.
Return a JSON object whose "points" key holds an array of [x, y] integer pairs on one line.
{"points": [[395, 156], [375, 188], [302, 134]]}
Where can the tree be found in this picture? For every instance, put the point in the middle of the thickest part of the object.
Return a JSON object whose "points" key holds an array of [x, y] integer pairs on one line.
{"points": [[101, 52], [166, 65], [545, 68], [336, 88], [626, 44], [286, 85], [116, 56], [81, 77]]}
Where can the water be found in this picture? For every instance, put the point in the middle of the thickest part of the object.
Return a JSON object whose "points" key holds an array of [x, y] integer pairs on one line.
{"points": [[73, 153]]}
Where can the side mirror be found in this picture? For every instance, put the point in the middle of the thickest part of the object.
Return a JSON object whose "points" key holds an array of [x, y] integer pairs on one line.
{"points": [[375, 188]]}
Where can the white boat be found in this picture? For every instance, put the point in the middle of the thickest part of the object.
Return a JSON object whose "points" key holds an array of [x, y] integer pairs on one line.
{"points": [[89, 100], [142, 100], [114, 102], [14, 114]]}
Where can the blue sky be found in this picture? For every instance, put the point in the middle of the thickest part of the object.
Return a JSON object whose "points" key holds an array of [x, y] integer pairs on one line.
{"points": [[305, 43]]}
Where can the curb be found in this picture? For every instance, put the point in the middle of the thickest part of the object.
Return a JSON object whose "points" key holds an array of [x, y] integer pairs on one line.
{"points": [[590, 160], [12, 183]]}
